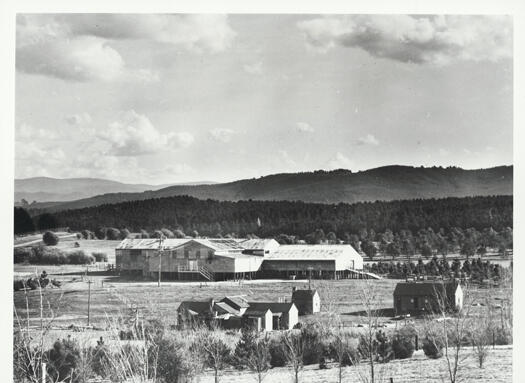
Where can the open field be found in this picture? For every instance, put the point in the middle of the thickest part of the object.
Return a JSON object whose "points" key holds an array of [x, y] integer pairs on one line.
{"points": [[418, 369], [111, 295]]}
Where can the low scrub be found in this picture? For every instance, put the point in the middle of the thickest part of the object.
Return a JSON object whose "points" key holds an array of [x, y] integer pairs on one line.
{"points": [[41, 255]]}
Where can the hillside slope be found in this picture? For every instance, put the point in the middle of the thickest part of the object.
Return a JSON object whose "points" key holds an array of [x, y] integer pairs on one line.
{"points": [[45, 189], [384, 183]]}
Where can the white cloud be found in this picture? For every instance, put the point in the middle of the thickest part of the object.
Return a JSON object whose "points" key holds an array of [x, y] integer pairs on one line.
{"points": [[339, 161], [26, 132], [79, 47], [304, 127], [210, 32], [222, 134], [78, 119], [78, 59], [133, 134], [369, 139], [254, 68], [417, 39]]}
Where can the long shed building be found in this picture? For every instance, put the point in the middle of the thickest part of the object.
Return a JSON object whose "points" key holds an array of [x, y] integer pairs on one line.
{"points": [[220, 259]]}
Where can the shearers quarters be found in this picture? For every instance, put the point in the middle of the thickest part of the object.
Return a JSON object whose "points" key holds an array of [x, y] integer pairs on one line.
{"points": [[417, 298], [220, 259]]}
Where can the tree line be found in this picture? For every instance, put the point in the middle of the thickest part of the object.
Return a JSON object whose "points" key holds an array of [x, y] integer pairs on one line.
{"points": [[271, 218]]}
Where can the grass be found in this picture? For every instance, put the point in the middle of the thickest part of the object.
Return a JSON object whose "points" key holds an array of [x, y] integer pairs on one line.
{"points": [[498, 369]]}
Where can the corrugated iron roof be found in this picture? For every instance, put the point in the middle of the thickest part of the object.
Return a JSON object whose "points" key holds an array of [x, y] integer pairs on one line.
{"points": [[427, 288], [258, 243], [309, 252]]}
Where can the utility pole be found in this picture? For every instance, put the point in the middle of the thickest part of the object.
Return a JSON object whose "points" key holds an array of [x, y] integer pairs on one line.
{"points": [[89, 300], [310, 277], [161, 239]]}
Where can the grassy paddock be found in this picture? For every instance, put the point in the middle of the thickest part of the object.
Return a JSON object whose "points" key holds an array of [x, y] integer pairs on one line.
{"points": [[497, 369]]}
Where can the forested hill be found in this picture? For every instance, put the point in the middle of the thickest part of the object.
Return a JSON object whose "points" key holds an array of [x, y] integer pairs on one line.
{"points": [[380, 184], [210, 217]]}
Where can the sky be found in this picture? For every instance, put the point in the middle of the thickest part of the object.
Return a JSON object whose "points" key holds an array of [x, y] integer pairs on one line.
{"points": [[168, 98]]}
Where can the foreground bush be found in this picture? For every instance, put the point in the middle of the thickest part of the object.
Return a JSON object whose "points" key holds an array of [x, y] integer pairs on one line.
{"points": [[50, 238], [277, 353], [403, 343], [433, 347]]}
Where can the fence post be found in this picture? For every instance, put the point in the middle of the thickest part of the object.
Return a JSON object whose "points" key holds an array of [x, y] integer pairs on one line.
{"points": [[417, 343], [43, 372], [391, 380]]}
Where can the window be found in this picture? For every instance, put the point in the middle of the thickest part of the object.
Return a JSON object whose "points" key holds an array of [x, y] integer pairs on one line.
{"points": [[186, 253], [198, 254]]}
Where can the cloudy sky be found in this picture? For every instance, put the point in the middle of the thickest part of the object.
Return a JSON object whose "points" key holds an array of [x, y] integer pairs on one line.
{"points": [[176, 98]]}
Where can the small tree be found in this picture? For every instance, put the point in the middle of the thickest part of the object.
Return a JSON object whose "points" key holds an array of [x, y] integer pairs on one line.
{"points": [[100, 232], [214, 351], [253, 352], [113, 234], [50, 238], [392, 249], [294, 346]]}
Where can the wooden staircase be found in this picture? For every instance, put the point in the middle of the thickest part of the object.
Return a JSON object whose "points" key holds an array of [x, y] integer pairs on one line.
{"points": [[363, 274], [197, 269]]}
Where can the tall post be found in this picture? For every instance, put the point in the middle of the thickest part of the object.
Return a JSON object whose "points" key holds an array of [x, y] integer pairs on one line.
{"points": [[89, 300], [160, 257], [44, 371]]}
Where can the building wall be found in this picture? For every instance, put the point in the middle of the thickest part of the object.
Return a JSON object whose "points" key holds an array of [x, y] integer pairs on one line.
{"points": [[316, 303], [292, 317], [295, 265], [129, 259]]}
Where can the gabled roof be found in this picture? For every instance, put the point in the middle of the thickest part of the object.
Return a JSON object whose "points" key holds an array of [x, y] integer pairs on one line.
{"points": [[236, 302], [303, 294], [310, 252], [275, 307], [151, 243], [196, 307], [225, 308], [252, 312], [258, 243], [427, 288]]}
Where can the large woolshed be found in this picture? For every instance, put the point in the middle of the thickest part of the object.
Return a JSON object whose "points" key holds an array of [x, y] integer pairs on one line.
{"points": [[315, 261], [191, 258]]}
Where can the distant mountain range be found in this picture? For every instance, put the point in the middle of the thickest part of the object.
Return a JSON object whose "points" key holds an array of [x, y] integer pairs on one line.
{"points": [[45, 189], [384, 183]]}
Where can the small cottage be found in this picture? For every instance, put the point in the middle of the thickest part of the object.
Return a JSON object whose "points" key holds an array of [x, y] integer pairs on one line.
{"points": [[307, 301], [284, 315], [419, 297]]}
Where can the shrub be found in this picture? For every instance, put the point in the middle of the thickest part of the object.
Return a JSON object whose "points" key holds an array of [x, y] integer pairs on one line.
{"points": [[501, 336], [23, 254], [63, 359], [100, 257], [403, 344], [179, 234], [167, 233], [79, 236], [124, 233], [277, 353], [86, 234], [433, 347], [113, 234], [172, 361], [78, 257], [156, 234], [50, 238], [312, 351], [100, 232]]}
